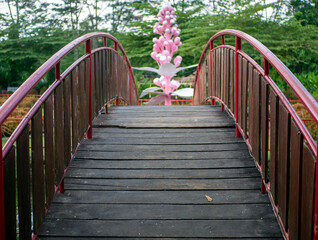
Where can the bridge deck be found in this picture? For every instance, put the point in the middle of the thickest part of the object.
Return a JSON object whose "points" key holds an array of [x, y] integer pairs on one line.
{"points": [[146, 174]]}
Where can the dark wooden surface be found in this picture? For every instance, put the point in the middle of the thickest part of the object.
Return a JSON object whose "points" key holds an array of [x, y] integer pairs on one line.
{"points": [[145, 175]]}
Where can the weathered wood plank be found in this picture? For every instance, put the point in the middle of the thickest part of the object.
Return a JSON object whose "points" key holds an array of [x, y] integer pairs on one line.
{"points": [[59, 133], [49, 150], [38, 195], [188, 197], [23, 176], [162, 184], [161, 212], [163, 173], [67, 120], [295, 181], [162, 155], [264, 130], [9, 185], [168, 228], [307, 196], [273, 143], [162, 164], [283, 163], [160, 148], [244, 95], [74, 94]]}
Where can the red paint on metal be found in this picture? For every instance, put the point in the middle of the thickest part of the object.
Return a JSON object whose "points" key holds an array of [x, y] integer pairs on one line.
{"points": [[88, 51], [2, 220], [238, 46], [211, 71], [266, 67], [106, 109], [105, 42], [263, 189], [62, 189], [58, 71], [222, 107], [222, 39]]}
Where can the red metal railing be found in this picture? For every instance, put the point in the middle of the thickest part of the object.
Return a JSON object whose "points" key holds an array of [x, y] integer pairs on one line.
{"points": [[98, 77], [290, 176]]}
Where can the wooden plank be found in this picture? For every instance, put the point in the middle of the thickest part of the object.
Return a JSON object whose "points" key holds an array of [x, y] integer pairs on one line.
{"points": [[59, 133], [244, 95], [49, 150], [188, 197], [168, 228], [296, 145], [74, 93], [162, 164], [81, 99], [240, 93], [283, 163], [67, 120], [23, 186], [256, 116], [162, 184], [273, 143], [86, 84], [161, 212], [221, 85], [38, 195], [227, 77], [159, 148], [167, 141], [264, 126], [307, 196], [9, 185], [250, 102], [94, 107], [163, 173], [163, 155], [217, 72], [232, 79]]}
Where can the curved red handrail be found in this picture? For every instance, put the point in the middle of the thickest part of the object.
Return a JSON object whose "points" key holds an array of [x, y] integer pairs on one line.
{"points": [[7, 108], [306, 98]]}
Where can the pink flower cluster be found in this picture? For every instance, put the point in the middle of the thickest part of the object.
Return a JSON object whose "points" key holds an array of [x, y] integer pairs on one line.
{"points": [[169, 40]]}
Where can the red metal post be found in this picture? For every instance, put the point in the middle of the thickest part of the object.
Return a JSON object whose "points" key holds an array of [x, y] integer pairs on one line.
{"points": [[117, 77], [58, 71], [263, 188], [2, 220], [62, 189], [266, 67], [223, 41], [238, 46], [105, 42], [90, 110], [211, 74], [106, 109]]}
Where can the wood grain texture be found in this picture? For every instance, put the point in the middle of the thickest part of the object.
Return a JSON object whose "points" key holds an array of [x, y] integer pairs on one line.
{"points": [[38, 196], [23, 185], [283, 162], [274, 101], [49, 150], [67, 120], [9, 185], [264, 128], [59, 133], [152, 183], [307, 196], [295, 181]]}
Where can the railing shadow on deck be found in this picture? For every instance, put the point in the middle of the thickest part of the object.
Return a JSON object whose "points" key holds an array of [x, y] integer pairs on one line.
{"points": [[284, 151], [60, 119]]}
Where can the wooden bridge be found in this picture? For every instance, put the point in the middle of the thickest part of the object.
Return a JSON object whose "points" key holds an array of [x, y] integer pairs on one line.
{"points": [[130, 172]]}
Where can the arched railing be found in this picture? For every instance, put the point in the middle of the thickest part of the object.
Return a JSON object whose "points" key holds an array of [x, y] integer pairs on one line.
{"points": [[54, 127], [284, 151]]}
